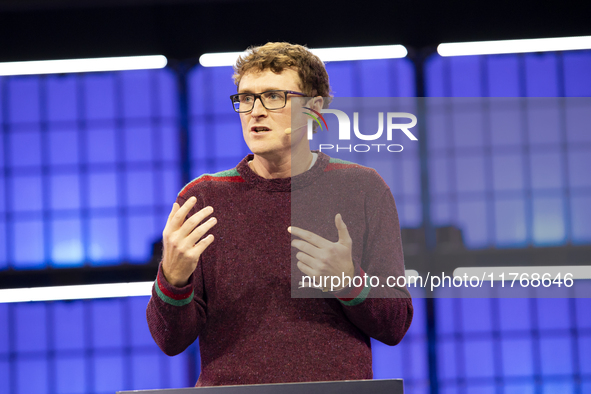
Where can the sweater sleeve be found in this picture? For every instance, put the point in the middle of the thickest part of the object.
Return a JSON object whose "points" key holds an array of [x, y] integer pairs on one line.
{"points": [[176, 315], [383, 313]]}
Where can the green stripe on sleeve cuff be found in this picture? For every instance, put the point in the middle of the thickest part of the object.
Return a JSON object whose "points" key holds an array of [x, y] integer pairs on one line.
{"points": [[172, 301], [359, 299]]}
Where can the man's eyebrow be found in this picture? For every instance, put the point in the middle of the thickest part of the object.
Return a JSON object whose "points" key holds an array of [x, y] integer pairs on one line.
{"points": [[266, 90]]}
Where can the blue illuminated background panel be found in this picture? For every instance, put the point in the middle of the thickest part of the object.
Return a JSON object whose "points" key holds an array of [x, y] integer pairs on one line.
{"points": [[89, 167], [98, 346], [513, 187]]}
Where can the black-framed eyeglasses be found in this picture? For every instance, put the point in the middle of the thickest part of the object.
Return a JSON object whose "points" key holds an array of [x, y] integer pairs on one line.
{"points": [[272, 99]]}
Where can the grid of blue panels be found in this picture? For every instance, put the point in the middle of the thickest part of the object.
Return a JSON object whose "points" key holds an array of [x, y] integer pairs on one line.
{"points": [[513, 188], [95, 346], [216, 135], [523, 182], [88, 167], [515, 345]]}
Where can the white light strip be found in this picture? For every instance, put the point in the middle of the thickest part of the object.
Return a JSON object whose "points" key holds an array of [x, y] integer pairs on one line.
{"points": [[221, 59], [577, 272], [514, 46], [82, 292], [83, 65], [78, 292], [325, 54], [360, 53]]}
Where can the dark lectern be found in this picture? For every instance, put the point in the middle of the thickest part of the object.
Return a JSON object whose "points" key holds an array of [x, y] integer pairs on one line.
{"points": [[387, 386]]}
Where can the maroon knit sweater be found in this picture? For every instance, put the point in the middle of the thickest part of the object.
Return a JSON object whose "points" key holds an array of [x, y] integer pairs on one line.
{"points": [[239, 299]]}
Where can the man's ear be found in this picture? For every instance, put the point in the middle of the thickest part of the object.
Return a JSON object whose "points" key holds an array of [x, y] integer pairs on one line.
{"points": [[317, 103]]}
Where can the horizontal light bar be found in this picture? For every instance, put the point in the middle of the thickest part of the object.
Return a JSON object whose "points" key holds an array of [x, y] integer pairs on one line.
{"points": [[83, 292], [360, 53], [222, 59], [325, 54], [514, 46], [411, 276], [78, 292], [577, 272], [83, 65]]}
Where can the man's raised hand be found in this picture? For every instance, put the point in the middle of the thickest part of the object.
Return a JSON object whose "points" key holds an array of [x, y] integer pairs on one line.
{"points": [[321, 257], [183, 242]]}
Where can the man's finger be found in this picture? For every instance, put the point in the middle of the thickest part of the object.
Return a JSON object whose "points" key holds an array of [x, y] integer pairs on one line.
{"points": [[312, 238], [200, 231], [180, 215], [306, 247], [175, 208], [203, 244], [192, 222], [309, 284], [308, 260], [306, 269], [344, 237]]}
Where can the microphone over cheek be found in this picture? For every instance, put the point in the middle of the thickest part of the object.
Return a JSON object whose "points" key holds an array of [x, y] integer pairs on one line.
{"points": [[289, 130]]}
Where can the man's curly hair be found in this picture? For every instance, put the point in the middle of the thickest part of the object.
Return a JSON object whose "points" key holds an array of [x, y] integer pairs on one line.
{"points": [[277, 56]]}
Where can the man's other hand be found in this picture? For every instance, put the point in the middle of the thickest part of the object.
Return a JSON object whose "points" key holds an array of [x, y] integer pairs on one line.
{"points": [[183, 242], [321, 257]]}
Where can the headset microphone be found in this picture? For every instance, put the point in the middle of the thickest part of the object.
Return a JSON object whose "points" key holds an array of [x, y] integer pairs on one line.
{"points": [[288, 130]]}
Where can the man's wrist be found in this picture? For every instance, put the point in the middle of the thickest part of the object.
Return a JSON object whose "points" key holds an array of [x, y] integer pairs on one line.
{"points": [[347, 278], [171, 294], [172, 280], [176, 282], [352, 289]]}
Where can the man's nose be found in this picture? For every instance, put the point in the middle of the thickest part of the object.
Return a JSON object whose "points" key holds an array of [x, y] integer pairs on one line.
{"points": [[258, 108]]}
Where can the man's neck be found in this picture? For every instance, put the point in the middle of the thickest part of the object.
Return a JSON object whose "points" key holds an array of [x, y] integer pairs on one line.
{"points": [[285, 167]]}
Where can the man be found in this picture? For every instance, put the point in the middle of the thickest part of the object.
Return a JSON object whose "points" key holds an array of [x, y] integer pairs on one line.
{"points": [[233, 287]]}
